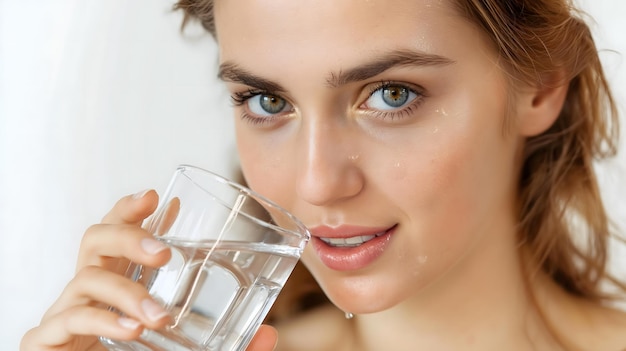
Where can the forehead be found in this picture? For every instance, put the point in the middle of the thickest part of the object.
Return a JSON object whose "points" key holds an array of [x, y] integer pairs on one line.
{"points": [[337, 32]]}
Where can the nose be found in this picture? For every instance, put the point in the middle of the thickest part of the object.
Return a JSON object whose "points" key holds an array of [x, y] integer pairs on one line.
{"points": [[329, 169]]}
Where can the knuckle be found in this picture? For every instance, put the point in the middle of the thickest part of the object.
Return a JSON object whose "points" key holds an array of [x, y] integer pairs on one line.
{"points": [[27, 342], [90, 232], [84, 277], [77, 316], [93, 229], [89, 240]]}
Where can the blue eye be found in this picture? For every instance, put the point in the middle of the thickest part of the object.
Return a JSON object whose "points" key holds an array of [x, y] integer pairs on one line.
{"points": [[390, 97], [267, 105]]}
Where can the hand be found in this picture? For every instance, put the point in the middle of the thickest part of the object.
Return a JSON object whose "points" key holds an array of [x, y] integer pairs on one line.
{"points": [[80, 315], [264, 340]]}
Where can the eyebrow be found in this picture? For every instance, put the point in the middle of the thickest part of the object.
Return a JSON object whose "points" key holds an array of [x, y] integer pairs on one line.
{"points": [[387, 61], [229, 71]]}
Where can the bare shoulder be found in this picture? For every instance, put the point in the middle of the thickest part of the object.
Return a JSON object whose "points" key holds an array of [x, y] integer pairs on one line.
{"points": [[580, 323], [606, 329], [320, 329], [615, 322]]}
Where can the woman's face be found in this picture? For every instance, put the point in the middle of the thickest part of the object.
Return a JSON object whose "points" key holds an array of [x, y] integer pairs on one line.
{"points": [[381, 125]]}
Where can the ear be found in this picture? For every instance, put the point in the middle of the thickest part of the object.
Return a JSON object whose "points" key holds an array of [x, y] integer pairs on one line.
{"points": [[538, 107]]}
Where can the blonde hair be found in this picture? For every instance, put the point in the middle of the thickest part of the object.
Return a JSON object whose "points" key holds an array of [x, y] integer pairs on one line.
{"points": [[538, 40]]}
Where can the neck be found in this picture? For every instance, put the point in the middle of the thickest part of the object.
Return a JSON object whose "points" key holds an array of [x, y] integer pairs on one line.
{"points": [[479, 305]]}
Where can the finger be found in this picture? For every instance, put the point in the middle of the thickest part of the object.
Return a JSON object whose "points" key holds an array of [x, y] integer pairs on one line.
{"points": [[94, 285], [102, 242], [133, 209], [81, 320], [265, 339]]}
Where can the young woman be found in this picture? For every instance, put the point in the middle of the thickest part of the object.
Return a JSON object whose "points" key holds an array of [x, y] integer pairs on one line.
{"points": [[441, 153]]}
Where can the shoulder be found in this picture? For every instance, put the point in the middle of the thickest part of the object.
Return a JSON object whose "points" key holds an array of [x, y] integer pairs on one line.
{"points": [[614, 321], [605, 329], [319, 329], [580, 323]]}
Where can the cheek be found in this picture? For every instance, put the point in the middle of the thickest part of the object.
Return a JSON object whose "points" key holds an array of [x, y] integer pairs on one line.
{"points": [[454, 195], [439, 195], [264, 168]]}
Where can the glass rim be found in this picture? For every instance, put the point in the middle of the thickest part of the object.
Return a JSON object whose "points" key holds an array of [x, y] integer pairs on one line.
{"points": [[303, 230]]}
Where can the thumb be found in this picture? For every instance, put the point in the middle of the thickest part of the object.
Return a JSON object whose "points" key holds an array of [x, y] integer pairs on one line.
{"points": [[265, 339]]}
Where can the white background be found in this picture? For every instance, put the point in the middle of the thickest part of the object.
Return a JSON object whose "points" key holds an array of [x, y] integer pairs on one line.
{"points": [[99, 99]]}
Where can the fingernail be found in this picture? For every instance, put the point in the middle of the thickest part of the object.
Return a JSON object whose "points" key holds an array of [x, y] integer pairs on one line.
{"points": [[140, 194], [128, 323], [152, 246], [153, 310]]}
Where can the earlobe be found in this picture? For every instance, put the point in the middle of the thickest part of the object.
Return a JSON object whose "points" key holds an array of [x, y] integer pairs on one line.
{"points": [[539, 108]]}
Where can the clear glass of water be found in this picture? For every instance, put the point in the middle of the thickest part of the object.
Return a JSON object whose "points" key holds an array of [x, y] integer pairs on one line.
{"points": [[232, 252]]}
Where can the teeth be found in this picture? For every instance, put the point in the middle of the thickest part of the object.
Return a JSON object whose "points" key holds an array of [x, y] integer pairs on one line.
{"points": [[350, 242]]}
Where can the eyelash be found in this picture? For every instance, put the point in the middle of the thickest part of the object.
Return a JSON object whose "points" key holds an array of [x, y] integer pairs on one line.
{"points": [[402, 111], [240, 98]]}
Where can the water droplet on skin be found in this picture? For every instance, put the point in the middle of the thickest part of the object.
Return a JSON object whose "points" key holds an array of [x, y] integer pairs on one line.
{"points": [[422, 259], [441, 112], [397, 170], [434, 130], [354, 158]]}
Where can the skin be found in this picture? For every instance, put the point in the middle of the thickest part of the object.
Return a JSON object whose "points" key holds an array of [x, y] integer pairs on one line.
{"points": [[73, 322], [442, 168], [443, 172]]}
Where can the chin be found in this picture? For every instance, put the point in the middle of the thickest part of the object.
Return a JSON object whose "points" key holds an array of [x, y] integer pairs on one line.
{"points": [[361, 295]]}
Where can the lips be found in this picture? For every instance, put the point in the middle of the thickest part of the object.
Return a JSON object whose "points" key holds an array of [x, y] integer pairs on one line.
{"points": [[346, 247]]}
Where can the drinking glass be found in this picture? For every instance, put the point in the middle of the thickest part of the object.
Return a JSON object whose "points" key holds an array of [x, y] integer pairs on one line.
{"points": [[232, 252]]}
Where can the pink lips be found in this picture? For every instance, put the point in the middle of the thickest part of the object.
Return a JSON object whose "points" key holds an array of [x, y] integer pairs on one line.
{"points": [[340, 249]]}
